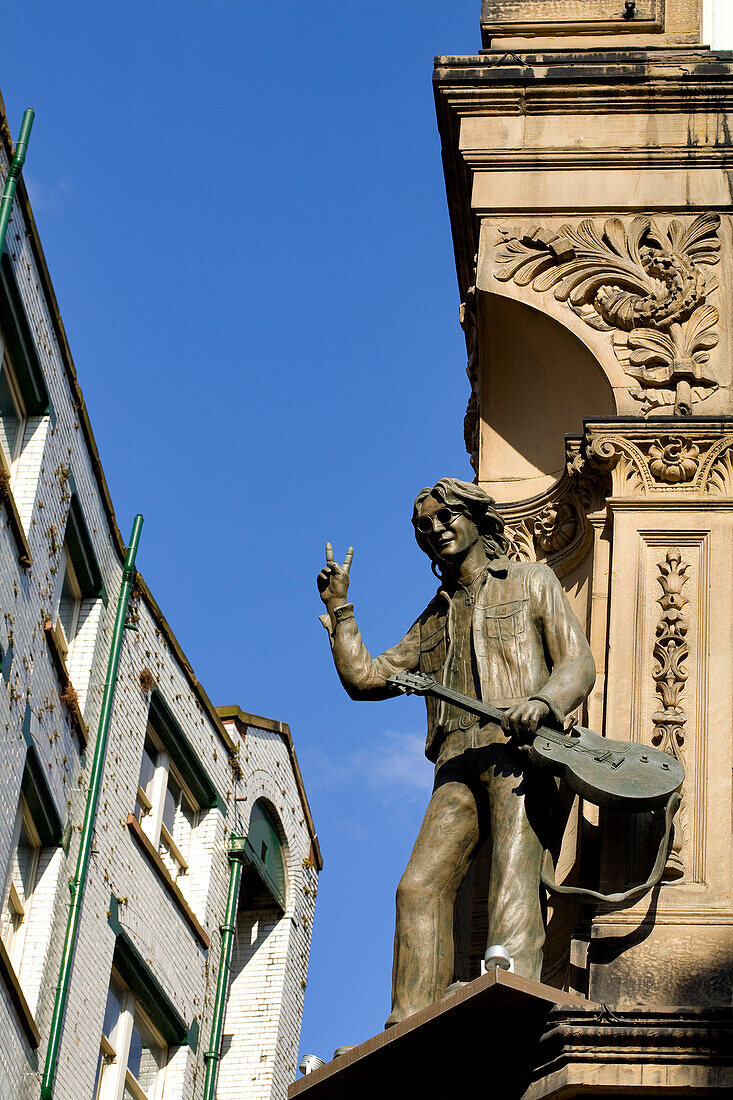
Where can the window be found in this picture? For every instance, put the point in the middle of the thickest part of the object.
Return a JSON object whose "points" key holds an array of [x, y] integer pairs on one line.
{"points": [[28, 887], [25, 852], [25, 409], [173, 794], [265, 853], [132, 1053], [69, 605], [76, 608], [12, 415], [165, 808]]}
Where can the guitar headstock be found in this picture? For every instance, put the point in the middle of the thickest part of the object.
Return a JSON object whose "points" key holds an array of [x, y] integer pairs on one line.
{"points": [[411, 682]]}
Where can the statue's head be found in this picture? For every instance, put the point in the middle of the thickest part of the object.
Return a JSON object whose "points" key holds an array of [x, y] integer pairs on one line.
{"points": [[452, 516]]}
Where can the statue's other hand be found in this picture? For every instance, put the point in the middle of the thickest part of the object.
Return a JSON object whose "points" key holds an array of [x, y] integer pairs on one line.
{"points": [[333, 579], [521, 720]]}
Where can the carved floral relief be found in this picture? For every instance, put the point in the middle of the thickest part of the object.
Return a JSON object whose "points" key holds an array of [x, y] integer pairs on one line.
{"points": [[671, 651], [555, 527], [647, 286], [673, 459]]}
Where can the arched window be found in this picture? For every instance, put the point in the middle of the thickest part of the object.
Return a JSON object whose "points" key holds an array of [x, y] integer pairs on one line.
{"points": [[265, 853]]}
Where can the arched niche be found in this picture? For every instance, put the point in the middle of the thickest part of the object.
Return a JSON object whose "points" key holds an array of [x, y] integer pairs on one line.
{"points": [[266, 873], [538, 382]]}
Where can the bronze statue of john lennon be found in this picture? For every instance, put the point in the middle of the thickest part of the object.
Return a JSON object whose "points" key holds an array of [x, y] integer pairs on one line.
{"points": [[503, 632]]}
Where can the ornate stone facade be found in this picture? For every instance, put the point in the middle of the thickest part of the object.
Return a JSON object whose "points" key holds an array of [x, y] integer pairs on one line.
{"points": [[587, 179]]}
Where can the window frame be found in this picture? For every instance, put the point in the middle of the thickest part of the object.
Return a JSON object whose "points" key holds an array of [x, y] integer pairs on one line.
{"points": [[114, 1076], [66, 572], [78, 563], [266, 853], [13, 935], [19, 351], [151, 801], [10, 461]]}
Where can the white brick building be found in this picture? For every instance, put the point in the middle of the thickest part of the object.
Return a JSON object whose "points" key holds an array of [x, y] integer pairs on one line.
{"points": [[179, 780]]}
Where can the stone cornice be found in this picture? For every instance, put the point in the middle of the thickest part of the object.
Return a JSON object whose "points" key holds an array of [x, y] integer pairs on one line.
{"points": [[615, 1050], [692, 65], [552, 96], [675, 460], [683, 81]]}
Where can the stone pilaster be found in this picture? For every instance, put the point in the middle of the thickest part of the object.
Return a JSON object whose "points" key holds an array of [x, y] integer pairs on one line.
{"points": [[669, 683]]}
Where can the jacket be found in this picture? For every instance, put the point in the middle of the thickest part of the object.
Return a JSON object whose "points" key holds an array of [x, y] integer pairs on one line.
{"points": [[526, 639]]}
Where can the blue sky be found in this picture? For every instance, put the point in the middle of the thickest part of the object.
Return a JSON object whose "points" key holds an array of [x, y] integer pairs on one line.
{"points": [[243, 211]]}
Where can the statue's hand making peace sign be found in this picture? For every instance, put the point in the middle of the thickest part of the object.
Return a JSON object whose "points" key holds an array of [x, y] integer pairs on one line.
{"points": [[333, 580]]}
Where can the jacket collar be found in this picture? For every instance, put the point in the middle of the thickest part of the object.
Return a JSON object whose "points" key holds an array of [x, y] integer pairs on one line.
{"points": [[497, 567]]}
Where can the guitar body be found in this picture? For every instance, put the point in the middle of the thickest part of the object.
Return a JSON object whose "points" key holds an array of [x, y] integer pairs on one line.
{"points": [[621, 775]]}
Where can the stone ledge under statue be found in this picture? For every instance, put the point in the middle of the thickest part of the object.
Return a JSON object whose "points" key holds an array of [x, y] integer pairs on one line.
{"points": [[509, 1037]]}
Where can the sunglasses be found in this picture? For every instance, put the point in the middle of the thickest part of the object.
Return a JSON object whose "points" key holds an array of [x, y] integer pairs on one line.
{"points": [[444, 516]]}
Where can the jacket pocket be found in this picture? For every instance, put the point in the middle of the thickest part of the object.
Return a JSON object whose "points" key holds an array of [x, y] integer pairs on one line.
{"points": [[432, 651], [505, 620]]}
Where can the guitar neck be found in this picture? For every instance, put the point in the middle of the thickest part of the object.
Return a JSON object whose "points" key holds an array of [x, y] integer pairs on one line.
{"points": [[475, 706]]}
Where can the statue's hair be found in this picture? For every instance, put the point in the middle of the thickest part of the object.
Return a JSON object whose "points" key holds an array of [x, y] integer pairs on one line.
{"points": [[473, 502]]}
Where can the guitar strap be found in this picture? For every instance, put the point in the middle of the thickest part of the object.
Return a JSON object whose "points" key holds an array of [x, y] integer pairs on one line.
{"points": [[634, 892]]}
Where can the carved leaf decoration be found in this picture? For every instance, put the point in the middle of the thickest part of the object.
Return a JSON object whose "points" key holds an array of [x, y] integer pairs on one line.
{"points": [[579, 280], [699, 240], [631, 278], [520, 544], [720, 478], [684, 349], [698, 335], [651, 348], [521, 263], [659, 398], [628, 244]]}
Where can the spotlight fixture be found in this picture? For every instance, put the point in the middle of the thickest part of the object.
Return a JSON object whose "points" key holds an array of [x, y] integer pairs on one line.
{"points": [[309, 1063], [497, 956]]}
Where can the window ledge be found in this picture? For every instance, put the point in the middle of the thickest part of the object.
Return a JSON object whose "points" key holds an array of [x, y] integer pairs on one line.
{"points": [[70, 701], [16, 526], [172, 887], [18, 998]]}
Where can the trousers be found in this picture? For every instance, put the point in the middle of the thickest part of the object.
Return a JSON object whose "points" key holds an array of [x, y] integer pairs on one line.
{"points": [[482, 781]]}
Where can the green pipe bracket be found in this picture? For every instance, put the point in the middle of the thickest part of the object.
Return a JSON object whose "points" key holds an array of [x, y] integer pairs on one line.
{"points": [[14, 170]]}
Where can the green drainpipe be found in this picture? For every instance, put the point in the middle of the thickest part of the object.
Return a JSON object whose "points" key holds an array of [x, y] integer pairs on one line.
{"points": [[16, 167], [213, 1054], [78, 883]]}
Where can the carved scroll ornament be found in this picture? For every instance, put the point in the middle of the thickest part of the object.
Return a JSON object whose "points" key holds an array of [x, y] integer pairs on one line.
{"points": [[645, 285], [554, 528]]}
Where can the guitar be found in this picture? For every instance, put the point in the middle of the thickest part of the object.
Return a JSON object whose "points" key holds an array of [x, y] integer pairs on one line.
{"points": [[621, 775]]}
